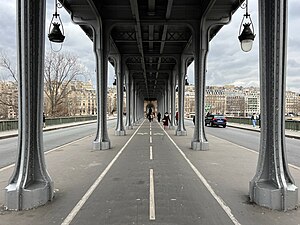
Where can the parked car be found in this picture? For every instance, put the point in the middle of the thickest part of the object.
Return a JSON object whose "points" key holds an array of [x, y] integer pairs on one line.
{"points": [[216, 120]]}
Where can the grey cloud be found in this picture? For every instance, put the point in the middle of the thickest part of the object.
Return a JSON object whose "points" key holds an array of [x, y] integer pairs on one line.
{"points": [[226, 63]]}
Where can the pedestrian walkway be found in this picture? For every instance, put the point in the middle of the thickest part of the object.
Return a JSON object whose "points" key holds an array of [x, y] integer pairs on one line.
{"points": [[150, 176]]}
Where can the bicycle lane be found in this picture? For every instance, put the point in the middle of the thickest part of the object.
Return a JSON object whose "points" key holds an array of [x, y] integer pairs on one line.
{"points": [[150, 183]]}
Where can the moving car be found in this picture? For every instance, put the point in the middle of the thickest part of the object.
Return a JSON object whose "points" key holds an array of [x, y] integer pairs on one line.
{"points": [[215, 120]]}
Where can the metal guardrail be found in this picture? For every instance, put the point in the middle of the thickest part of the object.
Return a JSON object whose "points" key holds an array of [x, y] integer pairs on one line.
{"points": [[6, 125], [289, 124]]}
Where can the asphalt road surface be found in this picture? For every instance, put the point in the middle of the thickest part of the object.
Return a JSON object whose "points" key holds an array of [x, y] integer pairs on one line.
{"points": [[56, 138], [250, 139], [52, 139], [149, 181], [144, 184]]}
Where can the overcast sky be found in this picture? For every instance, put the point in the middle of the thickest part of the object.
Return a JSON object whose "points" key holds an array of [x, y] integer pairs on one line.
{"points": [[226, 63]]}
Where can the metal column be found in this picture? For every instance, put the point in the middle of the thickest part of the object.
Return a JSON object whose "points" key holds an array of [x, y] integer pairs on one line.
{"points": [[133, 102], [200, 41], [120, 131], [172, 93], [128, 101], [273, 185], [166, 102], [101, 44], [30, 185], [181, 131]]}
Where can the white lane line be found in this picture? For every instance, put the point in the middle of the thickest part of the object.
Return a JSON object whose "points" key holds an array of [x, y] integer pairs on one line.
{"points": [[250, 150], [206, 184], [151, 153], [83, 200], [151, 197], [49, 151], [150, 132], [150, 139], [150, 128], [7, 167]]}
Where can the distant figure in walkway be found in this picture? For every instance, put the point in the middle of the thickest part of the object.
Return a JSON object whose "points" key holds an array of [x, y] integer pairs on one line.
{"points": [[166, 120], [150, 117], [158, 116], [253, 119], [194, 119], [44, 120], [176, 117]]}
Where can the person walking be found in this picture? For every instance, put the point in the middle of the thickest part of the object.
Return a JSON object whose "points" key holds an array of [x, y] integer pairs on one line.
{"points": [[166, 120], [176, 117], [158, 116], [44, 120], [253, 119]]}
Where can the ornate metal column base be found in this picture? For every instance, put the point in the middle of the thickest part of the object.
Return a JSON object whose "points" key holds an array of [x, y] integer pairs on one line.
{"points": [[101, 145], [120, 132], [34, 195], [200, 146], [181, 133], [267, 195]]}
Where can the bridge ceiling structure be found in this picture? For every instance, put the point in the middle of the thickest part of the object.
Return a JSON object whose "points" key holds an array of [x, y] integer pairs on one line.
{"points": [[150, 33]]}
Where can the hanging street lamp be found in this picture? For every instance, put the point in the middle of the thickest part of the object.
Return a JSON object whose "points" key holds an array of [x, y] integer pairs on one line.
{"points": [[55, 34], [246, 36]]}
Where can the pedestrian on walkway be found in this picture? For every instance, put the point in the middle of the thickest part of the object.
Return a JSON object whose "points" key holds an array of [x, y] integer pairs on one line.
{"points": [[44, 120], [253, 119], [166, 120], [176, 117], [158, 116], [151, 117]]}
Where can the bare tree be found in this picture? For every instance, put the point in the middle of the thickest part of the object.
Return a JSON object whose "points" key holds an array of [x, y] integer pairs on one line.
{"points": [[60, 70], [8, 88]]}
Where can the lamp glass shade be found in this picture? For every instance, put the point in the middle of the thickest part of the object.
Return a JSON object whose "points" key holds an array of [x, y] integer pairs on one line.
{"points": [[246, 38], [246, 45]]}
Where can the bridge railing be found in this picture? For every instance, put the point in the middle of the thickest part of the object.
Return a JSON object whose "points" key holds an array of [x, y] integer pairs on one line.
{"points": [[6, 125], [289, 124]]}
